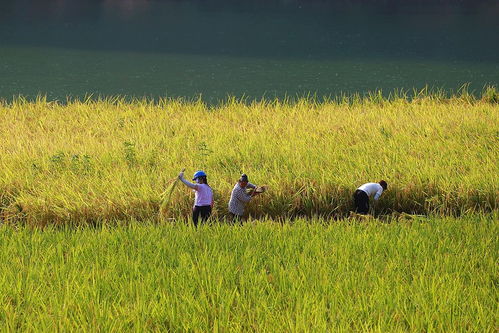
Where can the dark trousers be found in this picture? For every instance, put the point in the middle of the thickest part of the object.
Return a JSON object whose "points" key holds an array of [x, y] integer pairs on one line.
{"points": [[234, 219], [204, 211], [361, 201]]}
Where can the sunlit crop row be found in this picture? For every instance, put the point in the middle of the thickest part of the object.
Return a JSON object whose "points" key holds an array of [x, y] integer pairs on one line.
{"points": [[92, 160]]}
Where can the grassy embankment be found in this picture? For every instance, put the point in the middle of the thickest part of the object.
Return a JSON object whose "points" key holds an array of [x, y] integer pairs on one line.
{"points": [[433, 275], [87, 161]]}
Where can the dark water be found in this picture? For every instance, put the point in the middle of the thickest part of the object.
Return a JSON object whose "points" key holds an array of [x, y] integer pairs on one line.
{"points": [[244, 48]]}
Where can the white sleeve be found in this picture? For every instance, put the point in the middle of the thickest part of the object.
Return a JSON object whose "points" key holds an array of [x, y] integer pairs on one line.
{"points": [[189, 184], [378, 194]]}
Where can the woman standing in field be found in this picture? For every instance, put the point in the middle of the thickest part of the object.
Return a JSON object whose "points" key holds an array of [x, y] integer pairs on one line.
{"points": [[203, 199]]}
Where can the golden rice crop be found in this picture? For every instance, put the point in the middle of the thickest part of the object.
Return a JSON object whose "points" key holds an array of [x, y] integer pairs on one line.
{"points": [[92, 160]]}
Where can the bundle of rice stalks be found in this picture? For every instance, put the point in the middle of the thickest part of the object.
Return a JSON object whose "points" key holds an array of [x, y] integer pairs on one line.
{"points": [[362, 217], [166, 197], [408, 217], [258, 189]]}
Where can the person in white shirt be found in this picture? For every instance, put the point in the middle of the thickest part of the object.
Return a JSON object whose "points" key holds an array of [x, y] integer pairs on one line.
{"points": [[203, 199], [362, 194], [239, 198]]}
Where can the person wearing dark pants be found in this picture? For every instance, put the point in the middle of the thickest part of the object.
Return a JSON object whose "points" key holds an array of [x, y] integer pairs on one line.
{"points": [[203, 200], [361, 201], [362, 194], [203, 211]]}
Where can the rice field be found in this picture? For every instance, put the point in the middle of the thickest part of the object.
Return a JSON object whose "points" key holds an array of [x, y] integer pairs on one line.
{"points": [[94, 231], [422, 275], [87, 161]]}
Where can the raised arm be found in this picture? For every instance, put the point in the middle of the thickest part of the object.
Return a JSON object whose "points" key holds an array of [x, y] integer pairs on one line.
{"points": [[187, 183]]}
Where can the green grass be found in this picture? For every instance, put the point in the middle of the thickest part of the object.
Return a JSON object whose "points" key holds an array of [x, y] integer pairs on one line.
{"points": [[436, 274], [87, 161]]}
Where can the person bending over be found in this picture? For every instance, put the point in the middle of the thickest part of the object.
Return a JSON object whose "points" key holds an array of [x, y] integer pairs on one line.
{"points": [[362, 194]]}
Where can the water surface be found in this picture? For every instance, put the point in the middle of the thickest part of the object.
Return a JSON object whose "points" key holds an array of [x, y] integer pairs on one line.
{"points": [[253, 48]]}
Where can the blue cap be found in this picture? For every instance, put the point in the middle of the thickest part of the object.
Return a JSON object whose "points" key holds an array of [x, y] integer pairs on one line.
{"points": [[198, 174]]}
